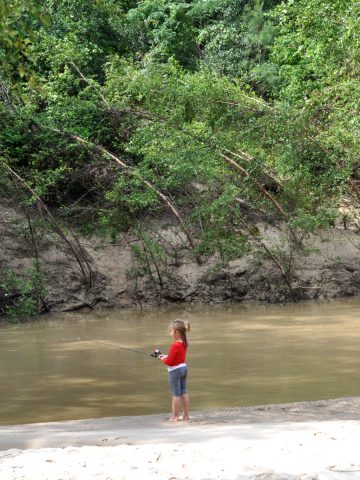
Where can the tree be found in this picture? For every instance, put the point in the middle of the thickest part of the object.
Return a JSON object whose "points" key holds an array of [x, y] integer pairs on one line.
{"points": [[316, 53], [17, 19], [235, 37], [166, 30]]}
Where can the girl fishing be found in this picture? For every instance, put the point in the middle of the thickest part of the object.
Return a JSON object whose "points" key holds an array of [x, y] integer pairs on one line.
{"points": [[177, 368]]}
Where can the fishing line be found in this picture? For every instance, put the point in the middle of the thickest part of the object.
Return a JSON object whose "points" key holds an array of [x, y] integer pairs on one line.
{"points": [[123, 348]]}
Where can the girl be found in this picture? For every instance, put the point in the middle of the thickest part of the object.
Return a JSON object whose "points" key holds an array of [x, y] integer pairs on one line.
{"points": [[177, 368]]}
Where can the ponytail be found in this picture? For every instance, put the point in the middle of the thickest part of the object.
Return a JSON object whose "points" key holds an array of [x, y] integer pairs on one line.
{"points": [[182, 327]]}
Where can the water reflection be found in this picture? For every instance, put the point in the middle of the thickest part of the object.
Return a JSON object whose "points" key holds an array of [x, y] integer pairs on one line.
{"points": [[239, 355]]}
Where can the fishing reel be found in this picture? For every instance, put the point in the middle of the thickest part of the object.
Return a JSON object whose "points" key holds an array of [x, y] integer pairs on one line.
{"points": [[155, 353]]}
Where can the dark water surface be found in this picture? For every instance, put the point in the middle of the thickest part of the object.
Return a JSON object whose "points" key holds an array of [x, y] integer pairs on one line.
{"points": [[240, 355]]}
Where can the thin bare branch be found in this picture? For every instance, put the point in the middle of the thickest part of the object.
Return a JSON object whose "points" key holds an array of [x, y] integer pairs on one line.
{"points": [[258, 185], [130, 170], [57, 228]]}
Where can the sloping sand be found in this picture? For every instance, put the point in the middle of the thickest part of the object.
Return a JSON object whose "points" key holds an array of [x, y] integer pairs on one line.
{"points": [[302, 441]]}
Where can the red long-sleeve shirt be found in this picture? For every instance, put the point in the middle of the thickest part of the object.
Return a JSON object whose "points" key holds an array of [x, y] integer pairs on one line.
{"points": [[176, 355]]}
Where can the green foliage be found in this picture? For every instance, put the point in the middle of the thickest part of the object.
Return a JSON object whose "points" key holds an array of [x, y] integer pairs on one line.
{"points": [[166, 29], [83, 32], [236, 37], [315, 53], [316, 45], [227, 108], [222, 226], [23, 295], [17, 19]]}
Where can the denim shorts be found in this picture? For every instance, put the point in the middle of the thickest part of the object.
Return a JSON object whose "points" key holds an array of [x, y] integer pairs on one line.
{"points": [[177, 381]]}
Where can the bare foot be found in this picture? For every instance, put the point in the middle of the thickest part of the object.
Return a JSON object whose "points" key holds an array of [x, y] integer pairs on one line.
{"points": [[184, 418], [173, 419]]}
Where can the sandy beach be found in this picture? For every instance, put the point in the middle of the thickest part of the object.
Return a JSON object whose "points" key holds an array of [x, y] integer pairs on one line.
{"points": [[299, 441]]}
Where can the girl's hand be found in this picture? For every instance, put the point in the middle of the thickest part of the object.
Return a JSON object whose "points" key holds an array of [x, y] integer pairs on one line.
{"points": [[162, 356]]}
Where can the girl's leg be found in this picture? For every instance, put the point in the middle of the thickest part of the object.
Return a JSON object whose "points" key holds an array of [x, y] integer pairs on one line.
{"points": [[185, 402], [175, 408], [174, 381], [184, 394]]}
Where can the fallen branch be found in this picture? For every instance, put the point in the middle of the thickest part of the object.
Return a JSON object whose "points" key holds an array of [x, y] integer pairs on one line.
{"points": [[245, 156], [258, 185], [131, 171]]}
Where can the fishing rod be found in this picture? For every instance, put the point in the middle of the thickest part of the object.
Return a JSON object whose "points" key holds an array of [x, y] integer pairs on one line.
{"points": [[155, 353]]}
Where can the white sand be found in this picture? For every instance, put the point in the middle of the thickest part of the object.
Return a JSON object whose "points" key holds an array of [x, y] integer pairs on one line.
{"points": [[232, 445]]}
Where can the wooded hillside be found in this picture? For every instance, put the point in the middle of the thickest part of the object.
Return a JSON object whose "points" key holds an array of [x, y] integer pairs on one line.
{"points": [[224, 115]]}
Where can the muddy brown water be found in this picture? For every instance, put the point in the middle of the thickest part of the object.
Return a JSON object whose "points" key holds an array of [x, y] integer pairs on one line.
{"points": [[54, 369]]}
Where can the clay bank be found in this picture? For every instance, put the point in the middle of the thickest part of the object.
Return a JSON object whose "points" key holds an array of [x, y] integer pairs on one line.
{"points": [[113, 274]]}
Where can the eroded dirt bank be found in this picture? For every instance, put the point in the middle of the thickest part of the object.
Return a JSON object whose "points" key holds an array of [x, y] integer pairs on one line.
{"points": [[327, 267]]}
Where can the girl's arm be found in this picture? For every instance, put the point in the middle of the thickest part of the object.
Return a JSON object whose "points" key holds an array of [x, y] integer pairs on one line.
{"points": [[170, 359]]}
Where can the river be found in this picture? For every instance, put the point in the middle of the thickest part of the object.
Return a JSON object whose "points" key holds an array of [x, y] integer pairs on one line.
{"points": [[55, 368]]}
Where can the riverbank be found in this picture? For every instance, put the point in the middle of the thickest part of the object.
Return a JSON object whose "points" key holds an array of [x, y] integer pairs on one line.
{"points": [[298, 441], [327, 266]]}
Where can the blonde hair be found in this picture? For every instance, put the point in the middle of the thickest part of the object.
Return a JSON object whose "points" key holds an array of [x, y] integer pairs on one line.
{"points": [[182, 327]]}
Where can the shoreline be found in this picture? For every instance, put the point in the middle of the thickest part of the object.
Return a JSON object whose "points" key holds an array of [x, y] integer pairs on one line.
{"points": [[90, 431], [315, 440]]}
